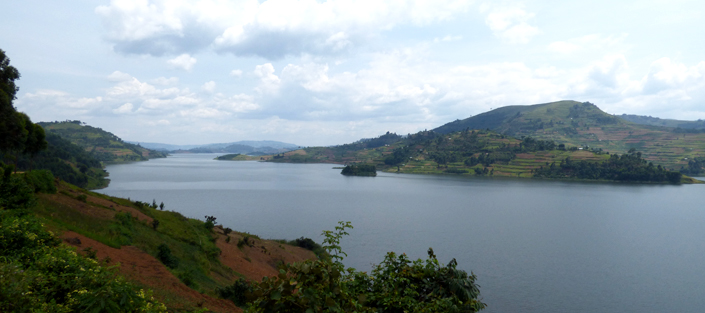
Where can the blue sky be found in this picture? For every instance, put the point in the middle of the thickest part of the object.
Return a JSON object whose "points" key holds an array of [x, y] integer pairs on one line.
{"points": [[330, 72]]}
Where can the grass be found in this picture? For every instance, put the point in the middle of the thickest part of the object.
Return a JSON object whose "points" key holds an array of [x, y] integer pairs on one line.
{"points": [[188, 239]]}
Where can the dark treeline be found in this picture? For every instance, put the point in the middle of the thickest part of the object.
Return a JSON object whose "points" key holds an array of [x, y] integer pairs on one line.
{"points": [[359, 170], [67, 161], [627, 167], [695, 167]]}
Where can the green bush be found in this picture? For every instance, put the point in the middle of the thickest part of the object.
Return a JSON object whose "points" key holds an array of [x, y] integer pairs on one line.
{"points": [[39, 275], [396, 285], [15, 193], [237, 292], [41, 181], [164, 255]]}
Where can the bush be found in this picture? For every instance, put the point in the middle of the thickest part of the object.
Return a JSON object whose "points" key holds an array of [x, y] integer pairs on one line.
{"points": [[164, 255], [237, 292], [15, 193], [396, 285], [39, 275], [82, 198], [41, 181]]}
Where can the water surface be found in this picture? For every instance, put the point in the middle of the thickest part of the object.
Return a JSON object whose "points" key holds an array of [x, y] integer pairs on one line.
{"points": [[536, 246]]}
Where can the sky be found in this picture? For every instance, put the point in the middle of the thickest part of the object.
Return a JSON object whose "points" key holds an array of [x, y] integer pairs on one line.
{"points": [[331, 72]]}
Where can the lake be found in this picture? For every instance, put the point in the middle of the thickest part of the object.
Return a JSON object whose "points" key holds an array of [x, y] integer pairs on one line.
{"points": [[535, 246]]}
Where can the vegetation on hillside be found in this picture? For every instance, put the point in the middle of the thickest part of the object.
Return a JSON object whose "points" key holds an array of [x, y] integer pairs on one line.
{"points": [[67, 161], [627, 167], [102, 145], [481, 153], [584, 124], [38, 274], [398, 284]]}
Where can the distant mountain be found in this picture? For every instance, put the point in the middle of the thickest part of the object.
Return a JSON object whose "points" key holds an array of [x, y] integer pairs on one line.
{"points": [[584, 124], [655, 121], [243, 147], [101, 144]]}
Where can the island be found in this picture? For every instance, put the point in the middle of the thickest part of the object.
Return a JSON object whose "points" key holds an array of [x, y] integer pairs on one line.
{"points": [[359, 170]]}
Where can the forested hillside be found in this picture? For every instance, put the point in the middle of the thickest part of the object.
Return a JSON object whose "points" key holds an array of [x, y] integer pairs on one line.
{"points": [[103, 145], [67, 161]]}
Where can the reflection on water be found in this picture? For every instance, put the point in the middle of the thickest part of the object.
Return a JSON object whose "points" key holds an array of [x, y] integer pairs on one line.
{"points": [[536, 246]]}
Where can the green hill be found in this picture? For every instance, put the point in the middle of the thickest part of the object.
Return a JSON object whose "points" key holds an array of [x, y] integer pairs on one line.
{"points": [[686, 126], [488, 153], [585, 125], [103, 145], [67, 161]]}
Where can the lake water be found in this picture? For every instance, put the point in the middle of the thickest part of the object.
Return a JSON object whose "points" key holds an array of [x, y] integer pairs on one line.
{"points": [[536, 246]]}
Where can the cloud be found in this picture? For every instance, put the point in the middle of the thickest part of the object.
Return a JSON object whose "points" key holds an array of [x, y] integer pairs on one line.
{"points": [[125, 108], [236, 73], [118, 76], [271, 29], [184, 61], [209, 87], [269, 81], [163, 81], [511, 24]]}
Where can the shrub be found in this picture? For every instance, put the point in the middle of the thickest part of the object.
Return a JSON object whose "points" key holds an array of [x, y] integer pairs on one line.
{"points": [[39, 275], [396, 285], [210, 222], [82, 198], [41, 181], [164, 255], [237, 292]]}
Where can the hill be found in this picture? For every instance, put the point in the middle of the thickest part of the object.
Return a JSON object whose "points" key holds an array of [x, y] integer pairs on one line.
{"points": [[67, 161], [655, 121], [103, 145], [488, 153], [183, 261], [248, 147], [585, 125]]}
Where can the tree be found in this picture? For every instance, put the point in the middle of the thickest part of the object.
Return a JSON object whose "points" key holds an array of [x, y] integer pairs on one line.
{"points": [[17, 132], [10, 124]]}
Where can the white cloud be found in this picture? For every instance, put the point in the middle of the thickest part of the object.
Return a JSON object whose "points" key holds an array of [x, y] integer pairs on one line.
{"points": [[125, 108], [184, 61], [269, 81], [118, 76], [236, 73], [511, 24], [163, 81], [271, 28], [208, 87]]}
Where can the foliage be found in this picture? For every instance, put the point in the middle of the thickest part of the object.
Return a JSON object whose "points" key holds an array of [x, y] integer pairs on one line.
{"points": [[359, 170], [39, 275], [68, 162], [629, 167], [15, 192], [210, 222], [102, 145], [696, 166], [396, 285], [164, 255], [236, 292]]}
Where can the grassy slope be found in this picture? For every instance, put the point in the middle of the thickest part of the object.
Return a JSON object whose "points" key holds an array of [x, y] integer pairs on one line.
{"points": [[102, 144], [588, 125], [115, 222]]}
